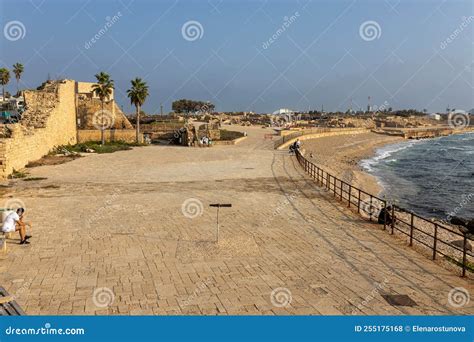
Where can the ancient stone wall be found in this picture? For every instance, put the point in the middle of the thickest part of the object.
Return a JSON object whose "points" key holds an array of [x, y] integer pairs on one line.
{"points": [[90, 115], [127, 135], [50, 120]]}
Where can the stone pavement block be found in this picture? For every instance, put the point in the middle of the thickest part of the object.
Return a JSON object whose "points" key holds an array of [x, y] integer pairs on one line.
{"points": [[328, 262]]}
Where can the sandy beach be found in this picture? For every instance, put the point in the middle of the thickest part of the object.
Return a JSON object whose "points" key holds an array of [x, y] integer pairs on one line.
{"points": [[340, 155]]}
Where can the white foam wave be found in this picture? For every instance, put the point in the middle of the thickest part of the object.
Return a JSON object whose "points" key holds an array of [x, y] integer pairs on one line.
{"points": [[386, 152]]}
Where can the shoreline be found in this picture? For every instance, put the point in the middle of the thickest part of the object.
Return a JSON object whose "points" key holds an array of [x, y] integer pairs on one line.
{"points": [[342, 155], [351, 158]]}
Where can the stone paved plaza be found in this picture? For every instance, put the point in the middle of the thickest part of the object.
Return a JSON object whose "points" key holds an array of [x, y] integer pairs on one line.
{"points": [[132, 233]]}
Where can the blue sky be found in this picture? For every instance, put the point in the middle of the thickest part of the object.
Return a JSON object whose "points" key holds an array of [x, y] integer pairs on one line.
{"points": [[320, 58]]}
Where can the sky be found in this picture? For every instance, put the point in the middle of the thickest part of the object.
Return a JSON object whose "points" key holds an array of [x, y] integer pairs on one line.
{"points": [[252, 55]]}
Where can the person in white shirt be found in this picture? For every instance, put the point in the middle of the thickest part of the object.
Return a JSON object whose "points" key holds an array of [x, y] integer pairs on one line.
{"points": [[14, 222], [298, 144]]}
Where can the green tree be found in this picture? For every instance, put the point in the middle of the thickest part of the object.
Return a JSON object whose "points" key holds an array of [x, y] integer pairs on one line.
{"points": [[18, 70], [103, 89], [190, 106], [138, 94], [4, 79]]}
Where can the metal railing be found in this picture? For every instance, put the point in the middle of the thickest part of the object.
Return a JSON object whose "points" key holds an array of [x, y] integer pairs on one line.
{"points": [[430, 235]]}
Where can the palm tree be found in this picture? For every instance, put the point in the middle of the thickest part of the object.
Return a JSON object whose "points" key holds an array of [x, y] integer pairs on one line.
{"points": [[4, 79], [138, 94], [18, 70], [103, 89]]}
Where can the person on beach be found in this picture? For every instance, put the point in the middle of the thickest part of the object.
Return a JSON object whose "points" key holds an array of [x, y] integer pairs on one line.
{"points": [[385, 216], [14, 222]]}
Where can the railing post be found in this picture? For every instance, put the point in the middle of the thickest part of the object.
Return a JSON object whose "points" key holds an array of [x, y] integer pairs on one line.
{"points": [[341, 191], [370, 209], [435, 240], [464, 256], [358, 203], [334, 178], [411, 228], [392, 224], [384, 215], [350, 193]]}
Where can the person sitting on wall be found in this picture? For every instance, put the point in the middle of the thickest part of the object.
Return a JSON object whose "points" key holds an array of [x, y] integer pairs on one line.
{"points": [[297, 144], [292, 148], [14, 222], [385, 216]]}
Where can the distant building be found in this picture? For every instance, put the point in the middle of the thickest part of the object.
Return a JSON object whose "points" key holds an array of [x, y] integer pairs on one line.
{"points": [[434, 116], [85, 89], [458, 111], [283, 111]]}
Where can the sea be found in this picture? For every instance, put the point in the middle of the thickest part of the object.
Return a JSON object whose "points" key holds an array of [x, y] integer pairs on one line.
{"points": [[432, 177]]}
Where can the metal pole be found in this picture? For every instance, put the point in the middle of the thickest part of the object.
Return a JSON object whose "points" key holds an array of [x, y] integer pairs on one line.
{"points": [[218, 224], [435, 240], [384, 215], [350, 193], [358, 203], [411, 229], [464, 258], [370, 209], [393, 219]]}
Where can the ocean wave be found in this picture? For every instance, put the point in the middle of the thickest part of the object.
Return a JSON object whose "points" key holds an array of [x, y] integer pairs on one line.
{"points": [[429, 177], [385, 152]]}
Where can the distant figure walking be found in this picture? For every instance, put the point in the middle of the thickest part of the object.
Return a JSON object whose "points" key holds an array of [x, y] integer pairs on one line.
{"points": [[385, 216]]}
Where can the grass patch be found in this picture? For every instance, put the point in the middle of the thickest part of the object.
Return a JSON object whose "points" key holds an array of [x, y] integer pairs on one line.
{"points": [[469, 265], [17, 174], [230, 135], [108, 147], [30, 179]]}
